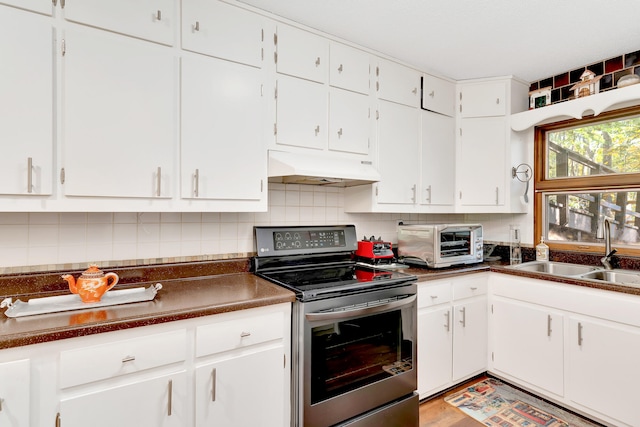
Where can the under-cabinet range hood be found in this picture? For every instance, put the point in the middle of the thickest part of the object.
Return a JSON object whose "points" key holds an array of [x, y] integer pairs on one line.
{"points": [[301, 168]]}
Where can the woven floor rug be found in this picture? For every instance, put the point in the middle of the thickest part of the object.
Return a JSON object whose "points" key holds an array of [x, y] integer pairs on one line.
{"points": [[494, 403]]}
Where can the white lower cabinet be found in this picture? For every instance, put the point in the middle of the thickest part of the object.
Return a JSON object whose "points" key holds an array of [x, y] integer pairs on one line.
{"points": [[602, 369], [153, 402], [576, 346], [244, 390], [452, 331], [14, 393], [528, 343]]}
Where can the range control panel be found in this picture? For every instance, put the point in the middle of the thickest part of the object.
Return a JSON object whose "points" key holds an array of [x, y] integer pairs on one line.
{"points": [[302, 240]]}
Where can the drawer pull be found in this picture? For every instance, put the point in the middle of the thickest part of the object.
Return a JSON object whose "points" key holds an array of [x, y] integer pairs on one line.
{"points": [[245, 334], [473, 288], [128, 359], [170, 397], [434, 296]]}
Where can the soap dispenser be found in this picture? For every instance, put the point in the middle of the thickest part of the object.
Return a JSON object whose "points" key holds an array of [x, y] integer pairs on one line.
{"points": [[542, 251]]}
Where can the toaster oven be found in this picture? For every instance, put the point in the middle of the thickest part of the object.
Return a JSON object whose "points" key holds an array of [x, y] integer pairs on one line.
{"points": [[440, 245]]}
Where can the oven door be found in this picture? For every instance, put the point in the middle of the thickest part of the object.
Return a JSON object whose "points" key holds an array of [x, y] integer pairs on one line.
{"points": [[359, 354]]}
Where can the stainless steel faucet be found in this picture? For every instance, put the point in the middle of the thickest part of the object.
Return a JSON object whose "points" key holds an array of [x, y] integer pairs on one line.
{"points": [[608, 252]]}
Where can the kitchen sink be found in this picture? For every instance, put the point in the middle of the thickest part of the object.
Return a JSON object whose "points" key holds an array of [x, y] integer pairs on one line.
{"points": [[555, 268], [620, 277]]}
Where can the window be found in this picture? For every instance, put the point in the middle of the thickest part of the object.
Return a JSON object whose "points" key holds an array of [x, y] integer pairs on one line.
{"points": [[586, 171]]}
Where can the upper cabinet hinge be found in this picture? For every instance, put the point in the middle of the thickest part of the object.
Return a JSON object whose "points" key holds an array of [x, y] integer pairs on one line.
{"points": [[62, 3], [284, 364], [491, 308], [262, 185], [275, 38], [275, 129], [492, 357], [377, 114], [376, 191], [275, 57], [55, 2], [275, 92], [261, 54], [262, 35], [63, 47]]}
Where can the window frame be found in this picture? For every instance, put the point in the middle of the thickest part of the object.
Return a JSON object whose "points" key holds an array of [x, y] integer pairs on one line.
{"points": [[596, 183]]}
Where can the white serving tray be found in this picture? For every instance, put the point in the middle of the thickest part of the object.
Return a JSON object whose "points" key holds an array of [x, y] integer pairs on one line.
{"points": [[73, 302]]}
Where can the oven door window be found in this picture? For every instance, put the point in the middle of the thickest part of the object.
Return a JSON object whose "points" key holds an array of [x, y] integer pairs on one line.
{"points": [[455, 243], [350, 354]]}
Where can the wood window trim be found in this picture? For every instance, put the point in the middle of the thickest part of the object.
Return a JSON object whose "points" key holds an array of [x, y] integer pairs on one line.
{"points": [[543, 185]]}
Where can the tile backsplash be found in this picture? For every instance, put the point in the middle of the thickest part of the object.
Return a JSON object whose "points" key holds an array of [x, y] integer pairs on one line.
{"points": [[60, 241], [610, 69]]}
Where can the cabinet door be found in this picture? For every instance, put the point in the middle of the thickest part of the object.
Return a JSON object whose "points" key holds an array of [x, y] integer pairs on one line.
{"points": [[349, 121], [155, 402], [301, 113], [147, 19], [398, 139], [482, 162], [434, 350], [41, 6], [602, 370], [469, 337], [528, 344], [244, 391], [26, 109], [223, 155], [437, 159], [397, 83], [483, 99], [438, 95], [14, 393], [349, 68], [222, 30], [119, 116], [302, 54]]}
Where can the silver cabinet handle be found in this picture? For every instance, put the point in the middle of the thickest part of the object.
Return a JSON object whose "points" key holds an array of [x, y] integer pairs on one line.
{"points": [[128, 359], [434, 296], [196, 185], [1, 400], [29, 175], [349, 312], [497, 194], [548, 325], [448, 324], [497, 101], [339, 132], [415, 90], [213, 385], [429, 192], [579, 334], [340, 68], [317, 130], [464, 317], [158, 181], [318, 61], [170, 400], [432, 94], [159, 15], [473, 288], [245, 334], [196, 26], [413, 189]]}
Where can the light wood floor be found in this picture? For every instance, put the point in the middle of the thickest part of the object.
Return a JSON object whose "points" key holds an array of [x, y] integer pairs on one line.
{"points": [[438, 413]]}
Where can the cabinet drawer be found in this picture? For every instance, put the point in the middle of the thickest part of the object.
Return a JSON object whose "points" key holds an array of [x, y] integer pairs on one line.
{"points": [[153, 20], [469, 288], [112, 359], [232, 334], [433, 294]]}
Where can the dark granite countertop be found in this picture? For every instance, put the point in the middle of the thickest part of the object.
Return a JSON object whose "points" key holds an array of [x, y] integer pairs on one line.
{"points": [[209, 288], [188, 290]]}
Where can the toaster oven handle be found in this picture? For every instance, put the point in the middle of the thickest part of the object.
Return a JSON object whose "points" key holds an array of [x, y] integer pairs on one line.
{"points": [[361, 311]]}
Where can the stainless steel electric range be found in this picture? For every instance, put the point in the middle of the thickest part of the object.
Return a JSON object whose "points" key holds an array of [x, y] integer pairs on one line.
{"points": [[353, 329]]}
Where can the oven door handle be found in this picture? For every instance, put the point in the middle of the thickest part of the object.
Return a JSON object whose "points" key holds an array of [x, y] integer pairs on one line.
{"points": [[343, 314]]}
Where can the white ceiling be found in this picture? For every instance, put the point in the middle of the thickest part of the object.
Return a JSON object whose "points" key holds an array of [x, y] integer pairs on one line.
{"points": [[464, 39]]}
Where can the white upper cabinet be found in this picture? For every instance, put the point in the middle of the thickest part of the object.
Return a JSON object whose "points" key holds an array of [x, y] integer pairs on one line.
{"points": [[349, 121], [40, 6], [26, 108], [119, 116], [483, 99], [397, 83], [437, 160], [153, 20], [222, 30], [349, 68], [301, 53], [221, 130], [438, 95], [301, 107]]}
